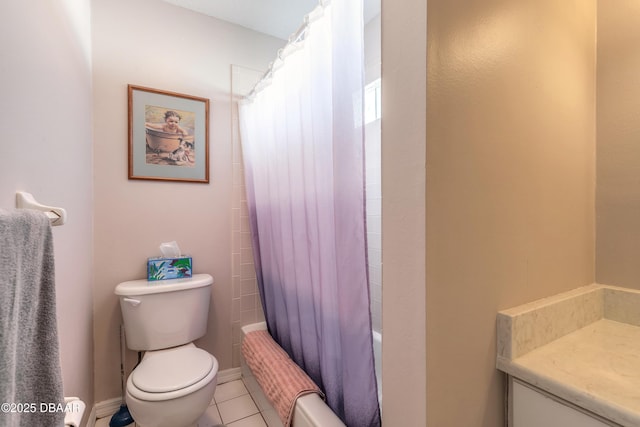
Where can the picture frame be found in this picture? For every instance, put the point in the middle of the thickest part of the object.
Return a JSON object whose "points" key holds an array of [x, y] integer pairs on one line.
{"points": [[168, 136]]}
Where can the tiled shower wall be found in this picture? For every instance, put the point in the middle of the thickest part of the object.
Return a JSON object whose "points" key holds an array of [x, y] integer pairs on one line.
{"points": [[246, 306]]}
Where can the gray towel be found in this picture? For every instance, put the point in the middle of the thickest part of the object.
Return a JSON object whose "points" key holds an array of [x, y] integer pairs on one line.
{"points": [[30, 376]]}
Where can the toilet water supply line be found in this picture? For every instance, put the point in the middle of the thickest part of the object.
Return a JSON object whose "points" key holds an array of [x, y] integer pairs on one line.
{"points": [[122, 362], [122, 417]]}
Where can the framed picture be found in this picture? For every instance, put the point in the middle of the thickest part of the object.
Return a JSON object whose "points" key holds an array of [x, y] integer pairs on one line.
{"points": [[168, 136]]}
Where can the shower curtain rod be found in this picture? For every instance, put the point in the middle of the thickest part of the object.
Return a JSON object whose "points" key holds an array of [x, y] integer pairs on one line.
{"points": [[297, 36]]}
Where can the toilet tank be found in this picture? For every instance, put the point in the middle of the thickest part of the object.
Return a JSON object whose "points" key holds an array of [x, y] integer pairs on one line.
{"points": [[163, 314]]}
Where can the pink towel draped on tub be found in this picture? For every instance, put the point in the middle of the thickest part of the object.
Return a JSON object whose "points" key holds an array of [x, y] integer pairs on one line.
{"points": [[280, 378]]}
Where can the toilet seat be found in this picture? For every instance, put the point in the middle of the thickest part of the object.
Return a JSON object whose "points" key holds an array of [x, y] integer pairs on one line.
{"points": [[173, 373], [172, 370]]}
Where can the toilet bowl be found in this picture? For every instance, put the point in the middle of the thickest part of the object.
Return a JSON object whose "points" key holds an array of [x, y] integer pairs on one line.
{"points": [[172, 387]]}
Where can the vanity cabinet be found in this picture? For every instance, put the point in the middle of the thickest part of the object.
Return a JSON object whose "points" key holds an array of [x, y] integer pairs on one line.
{"points": [[530, 407]]}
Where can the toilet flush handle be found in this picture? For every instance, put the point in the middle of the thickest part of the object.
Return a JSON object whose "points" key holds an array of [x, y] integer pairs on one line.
{"points": [[133, 302]]}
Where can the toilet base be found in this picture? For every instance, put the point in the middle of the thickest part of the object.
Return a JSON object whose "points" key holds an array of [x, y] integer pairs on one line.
{"points": [[180, 412]]}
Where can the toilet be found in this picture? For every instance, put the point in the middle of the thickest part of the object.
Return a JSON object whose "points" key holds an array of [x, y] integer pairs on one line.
{"points": [[174, 383]]}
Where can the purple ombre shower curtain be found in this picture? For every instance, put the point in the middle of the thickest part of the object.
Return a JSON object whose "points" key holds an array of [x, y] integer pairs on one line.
{"points": [[302, 138]]}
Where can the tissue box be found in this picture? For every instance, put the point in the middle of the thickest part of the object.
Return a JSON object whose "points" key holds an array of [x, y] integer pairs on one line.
{"points": [[161, 268]]}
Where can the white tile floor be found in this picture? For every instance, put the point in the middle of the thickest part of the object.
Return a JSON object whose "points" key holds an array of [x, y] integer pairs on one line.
{"points": [[232, 406]]}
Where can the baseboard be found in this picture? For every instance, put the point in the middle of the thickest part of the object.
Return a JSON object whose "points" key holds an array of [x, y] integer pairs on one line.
{"points": [[91, 422], [106, 408], [229, 375]]}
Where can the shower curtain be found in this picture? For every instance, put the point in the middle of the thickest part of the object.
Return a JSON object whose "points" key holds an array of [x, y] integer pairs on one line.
{"points": [[302, 138]]}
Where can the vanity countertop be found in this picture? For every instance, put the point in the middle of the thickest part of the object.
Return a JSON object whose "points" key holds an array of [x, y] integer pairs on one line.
{"points": [[582, 346]]}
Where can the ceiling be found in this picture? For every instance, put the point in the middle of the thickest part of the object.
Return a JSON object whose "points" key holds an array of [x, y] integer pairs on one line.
{"points": [[278, 18]]}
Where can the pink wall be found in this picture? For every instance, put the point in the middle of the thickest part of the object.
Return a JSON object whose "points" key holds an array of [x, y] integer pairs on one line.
{"points": [[45, 114], [155, 44]]}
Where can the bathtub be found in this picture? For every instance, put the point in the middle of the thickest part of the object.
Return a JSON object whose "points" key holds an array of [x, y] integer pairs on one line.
{"points": [[310, 409]]}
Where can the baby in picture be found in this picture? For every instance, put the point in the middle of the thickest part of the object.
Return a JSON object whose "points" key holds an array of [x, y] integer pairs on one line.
{"points": [[171, 124]]}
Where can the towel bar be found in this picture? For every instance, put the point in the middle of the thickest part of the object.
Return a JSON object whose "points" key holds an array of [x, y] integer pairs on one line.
{"points": [[57, 216]]}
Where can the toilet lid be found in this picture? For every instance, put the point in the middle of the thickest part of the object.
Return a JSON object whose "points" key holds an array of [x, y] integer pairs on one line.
{"points": [[172, 370]]}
